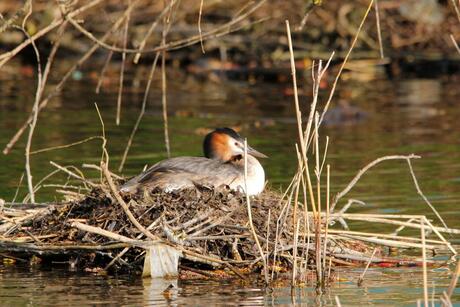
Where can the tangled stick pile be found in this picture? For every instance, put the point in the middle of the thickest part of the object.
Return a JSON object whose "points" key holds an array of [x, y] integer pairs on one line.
{"points": [[210, 227]]}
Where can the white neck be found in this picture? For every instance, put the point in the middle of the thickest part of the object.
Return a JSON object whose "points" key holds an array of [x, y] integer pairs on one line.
{"points": [[256, 176]]}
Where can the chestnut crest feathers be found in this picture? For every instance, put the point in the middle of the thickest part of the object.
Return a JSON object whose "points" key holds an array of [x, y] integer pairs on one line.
{"points": [[224, 144]]}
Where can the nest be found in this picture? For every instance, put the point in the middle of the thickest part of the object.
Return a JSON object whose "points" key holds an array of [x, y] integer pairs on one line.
{"points": [[204, 221], [210, 227]]}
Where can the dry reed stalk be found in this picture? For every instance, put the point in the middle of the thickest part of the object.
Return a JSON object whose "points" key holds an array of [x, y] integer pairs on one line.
{"points": [[453, 281], [438, 233], [98, 168], [141, 113], [214, 33], [297, 187], [374, 234], [66, 170], [306, 225], [5, 57], [111, 235], [249, 209], [278, 221], [309, 137], [34, 121], [199, 26], [306, 222], [337, 301], [106, 173], [379, 32], [361, 277], [390, 243], [445, 301], [42, 79], [400, 228], [299, 118], [294, 254], [164, 102], [151, 29], [328, 185], [419, 191], [455, 43], [363, 171], [103, 70], [317, 218], [18, 187], [425, 273], [345, 60], [65, 146], [122, 203], [122, 70], [457, 10], [267, 235], [383, 219], [58, 87]]}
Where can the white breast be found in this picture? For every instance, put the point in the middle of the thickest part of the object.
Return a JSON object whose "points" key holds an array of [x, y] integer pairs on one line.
{"points": [[255, 179]]}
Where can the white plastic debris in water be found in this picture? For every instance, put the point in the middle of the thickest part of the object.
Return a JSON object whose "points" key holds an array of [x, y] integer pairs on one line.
{"points": [[161, 260]]}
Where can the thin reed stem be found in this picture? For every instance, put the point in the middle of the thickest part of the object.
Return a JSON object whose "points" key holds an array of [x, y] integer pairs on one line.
{"points": [[199, 26], [425, 274], [141, 113], [249, 210], [345, 60], [379, 31], [122, 70]]}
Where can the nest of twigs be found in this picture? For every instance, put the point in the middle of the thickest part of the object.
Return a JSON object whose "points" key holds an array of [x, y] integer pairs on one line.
{"points": [[209, 222], [210, 227]]}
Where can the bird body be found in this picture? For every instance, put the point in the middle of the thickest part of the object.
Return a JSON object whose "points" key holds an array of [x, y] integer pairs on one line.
{"points": [[223, 165]]}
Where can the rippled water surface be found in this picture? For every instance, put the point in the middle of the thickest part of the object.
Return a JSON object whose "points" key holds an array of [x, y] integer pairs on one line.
{"points": [[368, 119]]}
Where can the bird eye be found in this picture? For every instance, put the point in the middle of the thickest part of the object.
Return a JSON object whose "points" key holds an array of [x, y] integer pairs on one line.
{"points": [[236, 144]]}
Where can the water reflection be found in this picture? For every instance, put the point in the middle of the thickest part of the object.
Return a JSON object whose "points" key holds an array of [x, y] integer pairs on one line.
{"points": [[21, 286]]}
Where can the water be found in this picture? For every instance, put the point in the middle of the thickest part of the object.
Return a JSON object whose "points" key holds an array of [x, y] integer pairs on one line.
{"points": [[392, 117], [35, 286]]}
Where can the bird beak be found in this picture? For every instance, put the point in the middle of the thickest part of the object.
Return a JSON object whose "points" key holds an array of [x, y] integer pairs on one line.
{"points": [[255, 153]]}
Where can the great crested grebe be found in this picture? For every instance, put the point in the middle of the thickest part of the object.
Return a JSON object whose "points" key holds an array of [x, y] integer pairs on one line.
{"points": [[222, 165]]}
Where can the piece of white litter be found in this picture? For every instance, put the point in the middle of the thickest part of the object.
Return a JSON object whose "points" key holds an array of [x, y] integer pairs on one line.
{"points": [[161, 260]]}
